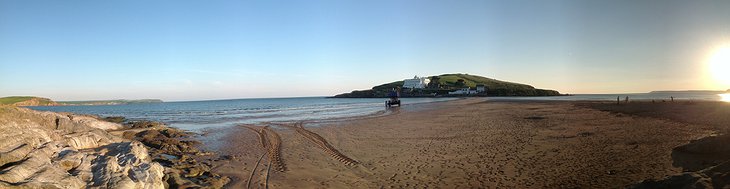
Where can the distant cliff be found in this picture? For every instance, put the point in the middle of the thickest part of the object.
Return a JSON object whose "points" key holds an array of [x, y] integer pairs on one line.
{"points": [[39, 101], [110, 102], [27, 101], [451, 82]]}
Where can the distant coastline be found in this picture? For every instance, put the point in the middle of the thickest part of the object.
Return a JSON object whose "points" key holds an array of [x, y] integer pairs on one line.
{"points": [[109, 102], [40, 101], [692, 91]]}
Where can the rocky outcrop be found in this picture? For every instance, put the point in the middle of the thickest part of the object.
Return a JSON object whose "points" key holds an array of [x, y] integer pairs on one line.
{"points": [[93, 122], [53, 150], [190, 167]]}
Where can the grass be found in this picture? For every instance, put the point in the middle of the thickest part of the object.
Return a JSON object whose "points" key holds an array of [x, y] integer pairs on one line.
{"points": [[448, 82], [109, 102], [44, 101], [14, 99]]}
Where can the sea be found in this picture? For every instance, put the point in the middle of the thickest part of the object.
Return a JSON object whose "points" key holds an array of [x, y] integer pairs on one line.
{"points": [[199, 115]]}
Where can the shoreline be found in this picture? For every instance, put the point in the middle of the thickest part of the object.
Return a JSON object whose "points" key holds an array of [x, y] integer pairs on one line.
{"points": [[498, 140], [198, 115], [471, 142], [211, 137]]}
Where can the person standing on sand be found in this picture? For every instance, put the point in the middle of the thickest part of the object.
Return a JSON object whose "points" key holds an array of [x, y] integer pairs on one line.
{"points": [[626, 100]]}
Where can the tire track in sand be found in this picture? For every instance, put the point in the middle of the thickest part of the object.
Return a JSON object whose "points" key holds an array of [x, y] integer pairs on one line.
{"points": [[271, 142], [322, 143], [274, 149]]}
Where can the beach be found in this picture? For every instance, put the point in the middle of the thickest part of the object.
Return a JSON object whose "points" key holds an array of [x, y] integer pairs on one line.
{"points": [[468, 143], [462, 143]]}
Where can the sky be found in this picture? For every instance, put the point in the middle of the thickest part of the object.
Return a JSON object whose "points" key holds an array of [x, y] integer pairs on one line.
{"points": [[197, 50]]}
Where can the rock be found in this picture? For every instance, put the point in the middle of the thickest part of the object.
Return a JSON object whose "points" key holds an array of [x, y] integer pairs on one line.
{"points": [[174, 180], [171, 148], [145, 124], [37, 160], [167, 140], [194, 172], [128, 134], [174, 133], [63, 150], [47, 150], [127, 165], [16, 154], [69, 159], [115, 119], [87, 140], [95, 123]]}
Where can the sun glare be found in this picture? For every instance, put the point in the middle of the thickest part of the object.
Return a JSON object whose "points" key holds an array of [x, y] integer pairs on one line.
{"points": [[724, 97], [719, 65]]}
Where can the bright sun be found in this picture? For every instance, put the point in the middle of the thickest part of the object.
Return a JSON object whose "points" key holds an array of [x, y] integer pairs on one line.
{"points": [[719, 65]]}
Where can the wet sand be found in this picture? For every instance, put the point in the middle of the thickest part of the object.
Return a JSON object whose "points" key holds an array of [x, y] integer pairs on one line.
{"points": [[470, 143]]}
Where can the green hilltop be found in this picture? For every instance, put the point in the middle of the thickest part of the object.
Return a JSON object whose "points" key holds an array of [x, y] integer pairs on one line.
{"points": [[39, 101], [110, 102], [452, 82], [26, 101]]}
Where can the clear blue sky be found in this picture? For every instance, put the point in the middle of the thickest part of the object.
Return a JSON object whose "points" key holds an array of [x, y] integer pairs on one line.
{"points": [[187, 50]]}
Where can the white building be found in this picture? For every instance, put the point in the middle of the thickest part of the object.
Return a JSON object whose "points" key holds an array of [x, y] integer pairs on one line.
{"points": [[463, 91], [481, 88], [416, 83]]}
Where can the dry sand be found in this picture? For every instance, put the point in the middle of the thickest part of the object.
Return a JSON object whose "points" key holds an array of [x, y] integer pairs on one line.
{"points": [[469, 143]]}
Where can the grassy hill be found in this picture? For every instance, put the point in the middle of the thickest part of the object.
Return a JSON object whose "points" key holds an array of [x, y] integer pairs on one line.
{"points": [[39, 101], [110, 102], [27, 101], [451, 82]]}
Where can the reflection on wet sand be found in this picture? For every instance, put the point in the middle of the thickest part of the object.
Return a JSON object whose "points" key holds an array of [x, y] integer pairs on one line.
{"points": [[724, 97]]}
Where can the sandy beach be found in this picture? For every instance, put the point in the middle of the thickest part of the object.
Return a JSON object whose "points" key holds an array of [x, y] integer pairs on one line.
{"points": [[468, 143]]}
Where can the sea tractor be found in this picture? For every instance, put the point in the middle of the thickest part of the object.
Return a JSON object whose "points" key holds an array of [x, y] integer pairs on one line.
{"points": [[394, 100]]}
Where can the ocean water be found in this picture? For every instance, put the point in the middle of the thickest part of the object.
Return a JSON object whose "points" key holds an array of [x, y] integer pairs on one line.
{"points": [[197, 115]]}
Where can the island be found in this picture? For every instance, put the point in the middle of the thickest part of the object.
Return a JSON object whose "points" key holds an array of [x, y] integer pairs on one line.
{"points": [[451, 85]]}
